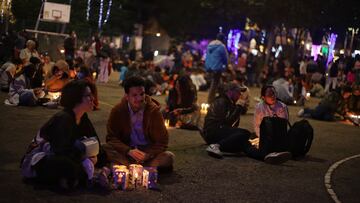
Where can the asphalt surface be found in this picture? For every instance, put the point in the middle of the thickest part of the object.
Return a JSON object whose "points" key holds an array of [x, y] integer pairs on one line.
{"points": [[197, 177]]}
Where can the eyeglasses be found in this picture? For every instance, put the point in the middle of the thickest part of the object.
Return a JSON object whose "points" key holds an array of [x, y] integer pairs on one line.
{"points": [[270, 94], [88, 95]]}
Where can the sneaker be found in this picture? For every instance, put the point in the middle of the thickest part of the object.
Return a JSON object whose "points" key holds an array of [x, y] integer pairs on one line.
{"points": [[277, 157], [301, 113], [214, 151]]}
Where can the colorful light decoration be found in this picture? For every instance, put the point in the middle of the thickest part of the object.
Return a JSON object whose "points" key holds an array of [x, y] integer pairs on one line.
{"points": [[101, 22], [315, 50], [108, 12], [100, 14], [277, 50], [331, 42], [233, 41]]}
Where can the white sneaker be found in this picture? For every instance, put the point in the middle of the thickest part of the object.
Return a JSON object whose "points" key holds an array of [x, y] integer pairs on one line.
{"points": [[277, 157], [300, 113], [214, 151]]}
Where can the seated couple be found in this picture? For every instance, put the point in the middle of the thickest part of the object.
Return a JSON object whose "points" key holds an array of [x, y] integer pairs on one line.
{"points": [[221, 130], [57, 156]]}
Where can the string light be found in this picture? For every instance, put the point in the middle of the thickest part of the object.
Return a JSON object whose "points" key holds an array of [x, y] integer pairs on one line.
{"points": [[108, 12], [88, 10], [100, 14]]}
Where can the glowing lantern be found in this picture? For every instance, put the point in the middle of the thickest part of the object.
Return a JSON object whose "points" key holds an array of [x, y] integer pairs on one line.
{"points": [[150, 176], [136, 172]]}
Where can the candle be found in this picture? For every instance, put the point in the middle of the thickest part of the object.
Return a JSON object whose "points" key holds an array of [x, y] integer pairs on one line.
{"points": [[308, 95], [204, 108], [121, 177], [150, 176], [136, 171], [167, 123], [54, 95], [94, 75]]}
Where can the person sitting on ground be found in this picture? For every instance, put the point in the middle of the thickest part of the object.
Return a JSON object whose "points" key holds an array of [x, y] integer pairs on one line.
{"points": [[57, 156], [283, 88], [47, 64], [28, 52], [150, 87], [136, 132], [317, 90], [58, 77], [334, 102], [354, 100], [85, 74], [20, 91], [198, 79], [7, 73], [268, 106], [181, 107], [38, 79], [221, 130]]}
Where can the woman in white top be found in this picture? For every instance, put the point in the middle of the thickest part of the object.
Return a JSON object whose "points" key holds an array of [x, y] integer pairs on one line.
{"points": [[268, 106]]}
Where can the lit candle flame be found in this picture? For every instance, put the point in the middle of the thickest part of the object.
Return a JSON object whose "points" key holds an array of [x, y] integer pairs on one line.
{"points": [[167, 123], [54, 95], [204, 108]]}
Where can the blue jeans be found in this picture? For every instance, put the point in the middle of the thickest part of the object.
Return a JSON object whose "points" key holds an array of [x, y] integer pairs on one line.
{"points": [[320, 112]]}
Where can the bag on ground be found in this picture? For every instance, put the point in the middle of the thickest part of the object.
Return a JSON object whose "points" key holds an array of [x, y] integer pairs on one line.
{"points": [[273, 134], [300, 136]]}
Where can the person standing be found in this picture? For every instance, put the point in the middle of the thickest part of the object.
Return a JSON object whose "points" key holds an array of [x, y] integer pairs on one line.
{"points": [[216, 62], [70, 46]]}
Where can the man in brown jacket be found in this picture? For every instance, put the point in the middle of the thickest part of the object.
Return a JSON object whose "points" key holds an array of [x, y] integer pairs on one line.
{"points": [[136, 132]]}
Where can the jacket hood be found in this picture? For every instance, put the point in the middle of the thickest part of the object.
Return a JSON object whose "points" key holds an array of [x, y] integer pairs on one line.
{"points": [[213, 45]]}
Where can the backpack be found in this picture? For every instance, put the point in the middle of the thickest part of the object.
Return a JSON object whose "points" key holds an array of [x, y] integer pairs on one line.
{"points": [[273, 134], [300, 135]]}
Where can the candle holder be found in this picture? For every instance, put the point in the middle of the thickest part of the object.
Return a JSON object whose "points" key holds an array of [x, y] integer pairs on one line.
{"points": [[120, 177], [136, 172], [150, 176]]}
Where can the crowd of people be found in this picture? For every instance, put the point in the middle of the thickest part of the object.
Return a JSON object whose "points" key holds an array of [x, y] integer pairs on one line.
{"points": [[136, 132]]}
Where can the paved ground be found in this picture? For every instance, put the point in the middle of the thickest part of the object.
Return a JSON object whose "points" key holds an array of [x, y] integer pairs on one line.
{"points": [[197, 177]]}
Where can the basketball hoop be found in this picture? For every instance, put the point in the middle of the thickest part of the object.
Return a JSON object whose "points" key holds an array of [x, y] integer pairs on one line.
{"points": [[57, 18]]}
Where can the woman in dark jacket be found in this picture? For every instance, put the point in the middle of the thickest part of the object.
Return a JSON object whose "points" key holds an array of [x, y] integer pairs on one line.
{"points": [[181, 107], [57, 155]]}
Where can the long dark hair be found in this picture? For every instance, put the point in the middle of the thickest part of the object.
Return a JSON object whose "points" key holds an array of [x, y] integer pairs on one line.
{"points": [[188, 92], [72, 93]]}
